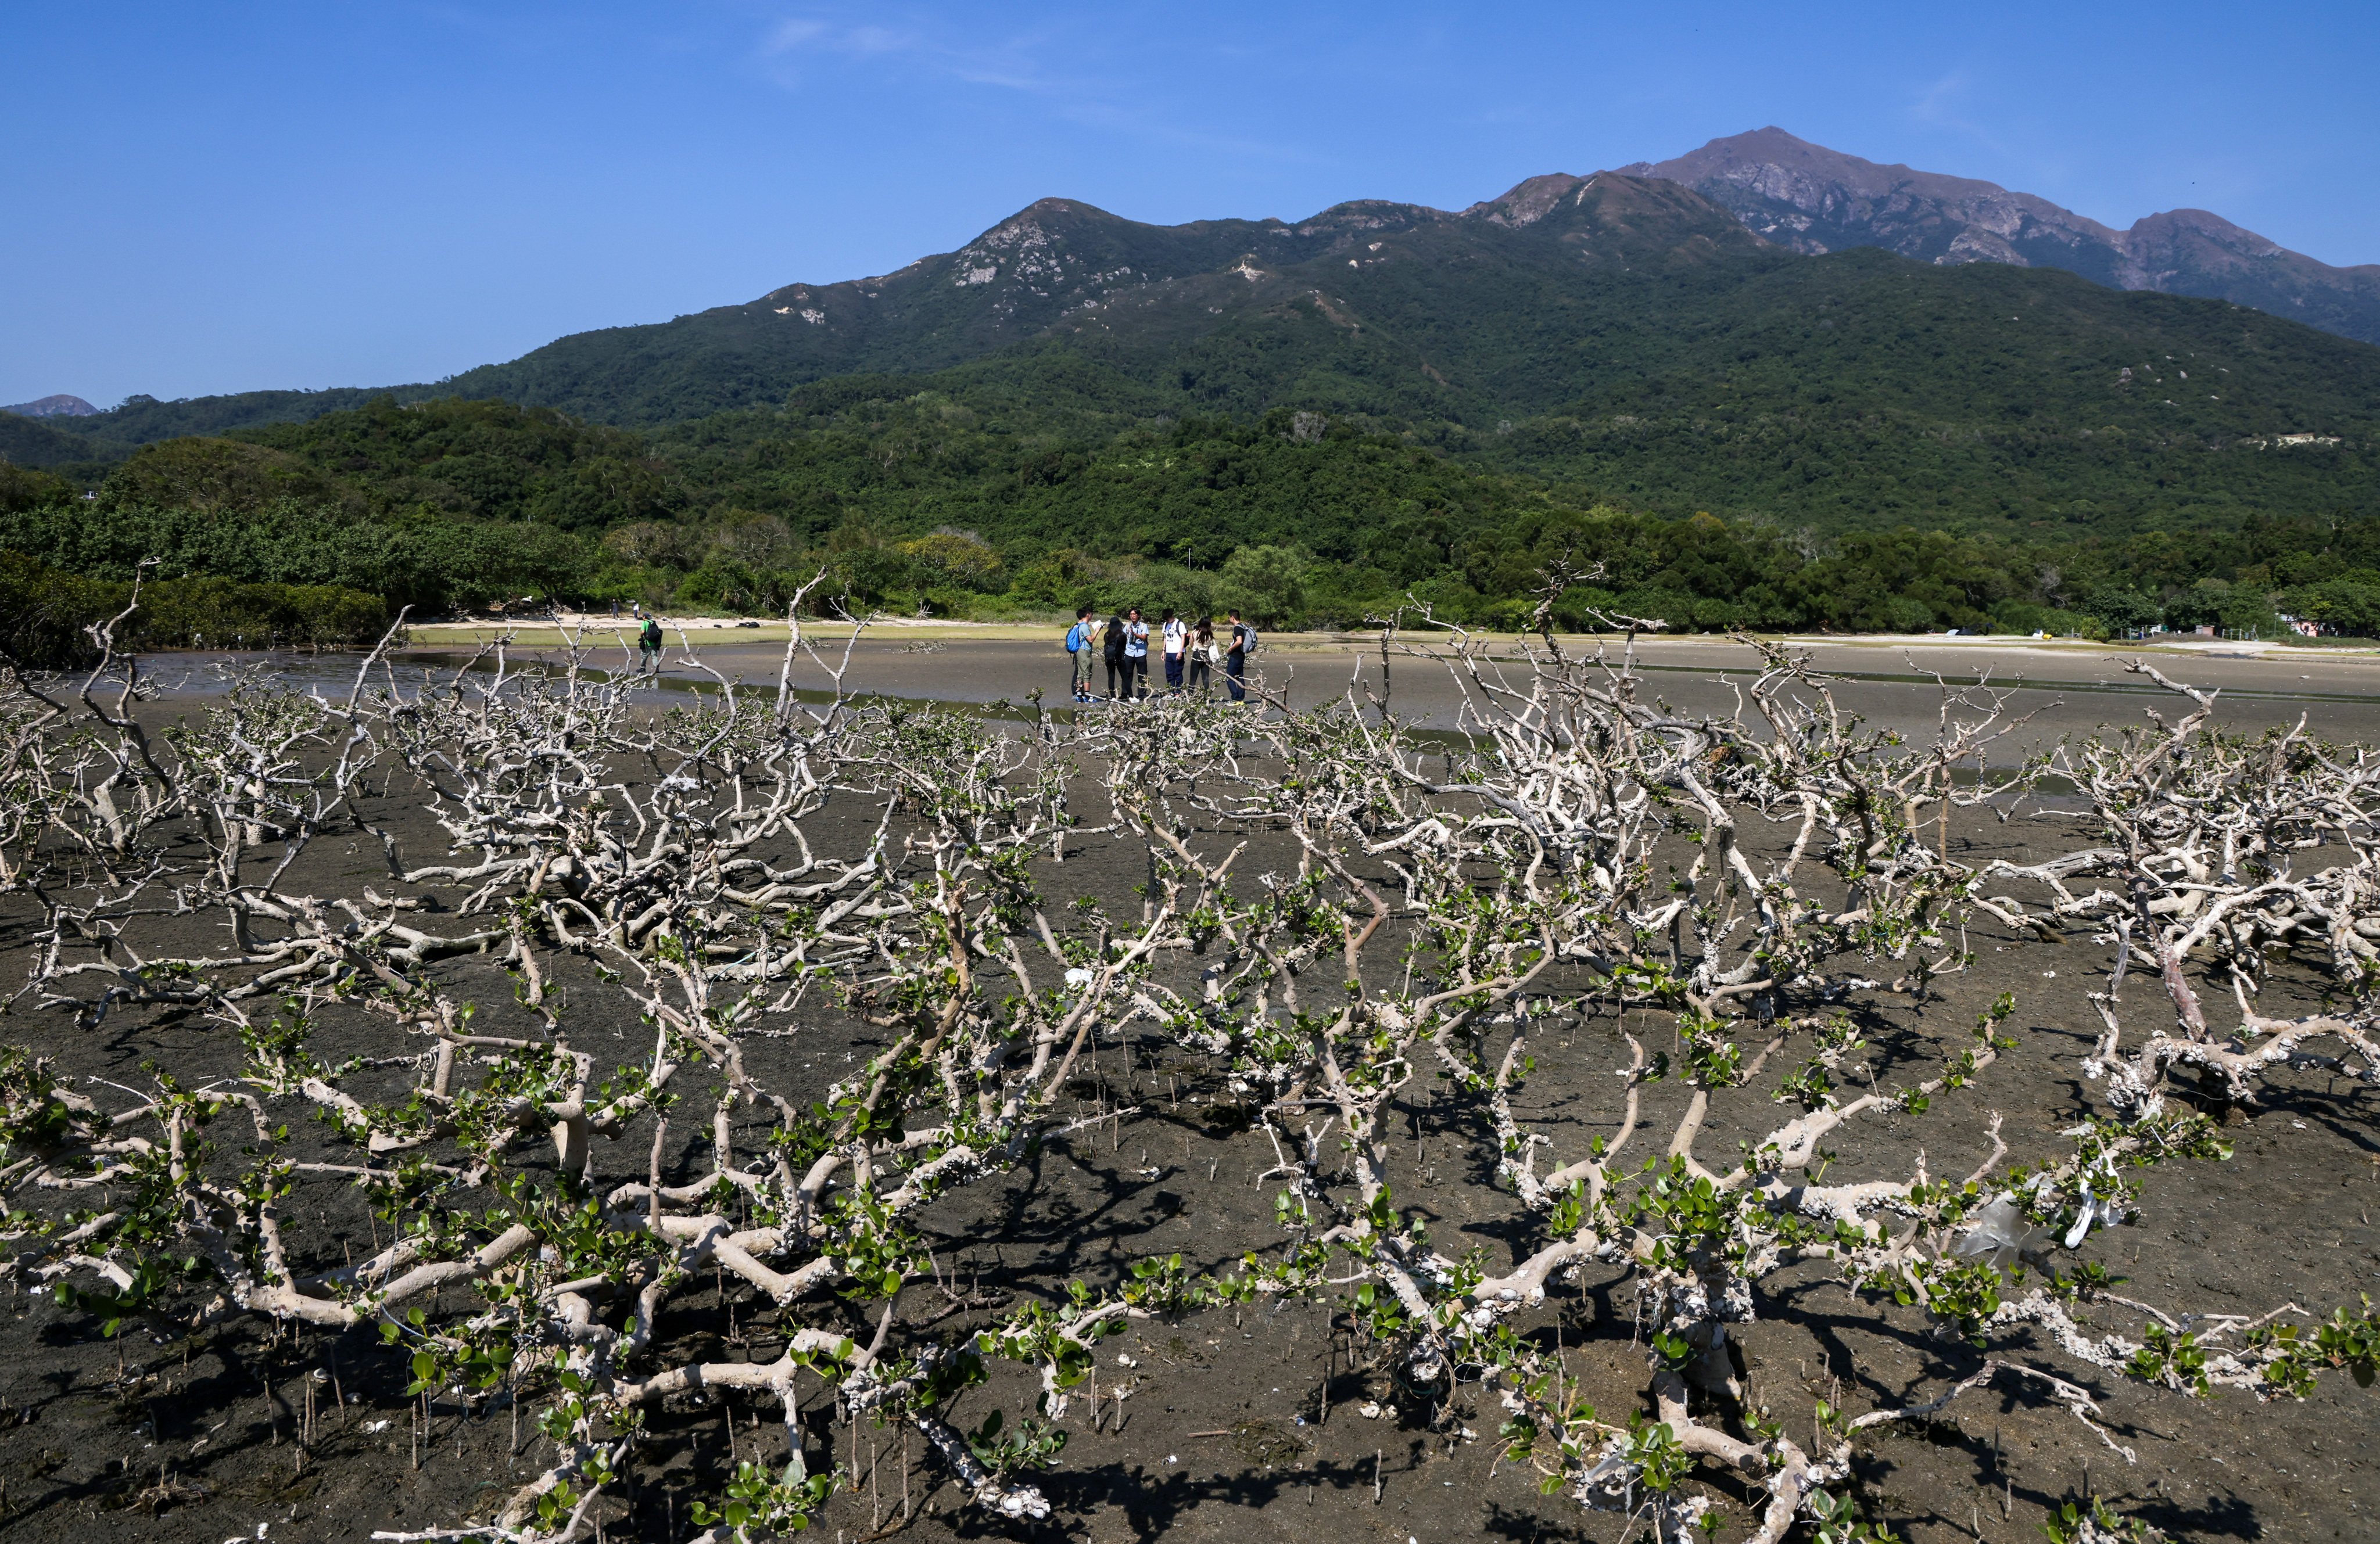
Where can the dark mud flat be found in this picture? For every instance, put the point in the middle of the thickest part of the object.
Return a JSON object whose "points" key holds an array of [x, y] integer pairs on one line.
{"points": [[2058, 691], [1251, 1424], [2061, 691]]}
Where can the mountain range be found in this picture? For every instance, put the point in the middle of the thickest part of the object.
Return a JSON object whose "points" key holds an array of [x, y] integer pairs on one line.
{"points": [[1691, 313]]}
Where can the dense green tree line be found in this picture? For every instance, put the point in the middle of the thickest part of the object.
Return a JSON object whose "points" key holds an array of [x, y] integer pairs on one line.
{"points": [[410, 559], [978, 500], [46, 615]]}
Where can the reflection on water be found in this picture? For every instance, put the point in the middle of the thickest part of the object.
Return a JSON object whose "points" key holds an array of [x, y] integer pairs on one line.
{"points": [[321, 673], [332, 675]]}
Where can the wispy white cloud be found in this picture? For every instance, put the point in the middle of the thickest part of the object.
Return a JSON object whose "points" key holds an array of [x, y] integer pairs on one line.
{"points": [[1943, 103], [790, 44], [1049, 63], [1156, 127], [1999, 121], [789, 35]]}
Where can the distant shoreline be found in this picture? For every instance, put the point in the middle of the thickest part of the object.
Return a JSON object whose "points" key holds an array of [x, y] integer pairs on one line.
{"points": [[705, 631]]}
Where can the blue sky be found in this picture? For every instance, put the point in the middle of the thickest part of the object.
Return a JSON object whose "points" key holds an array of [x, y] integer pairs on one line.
{"points": [[210, 198]]}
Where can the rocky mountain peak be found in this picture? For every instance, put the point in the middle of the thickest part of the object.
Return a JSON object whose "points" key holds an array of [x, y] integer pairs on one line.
{"points": [[1526, 202], [1773, 158], [59, 405], [1369, 215], [1814, 200]]}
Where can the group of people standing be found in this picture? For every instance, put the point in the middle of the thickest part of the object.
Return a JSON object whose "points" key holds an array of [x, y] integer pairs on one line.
{"points": [[1190, 652]]}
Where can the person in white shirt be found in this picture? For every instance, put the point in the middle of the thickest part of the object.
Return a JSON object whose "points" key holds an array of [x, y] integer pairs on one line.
{"points": [[1136, 655], [1203, 655], [1176, 634]]}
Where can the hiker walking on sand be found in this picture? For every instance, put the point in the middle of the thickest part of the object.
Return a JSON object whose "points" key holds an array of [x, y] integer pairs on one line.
{"points": [[1136, 655], [1081, 643], [1175, 637], [1202, 656], [649, 647], [1111, 653], [1236, 658]]}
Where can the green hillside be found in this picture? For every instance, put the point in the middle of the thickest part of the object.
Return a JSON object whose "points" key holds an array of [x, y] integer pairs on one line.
{"points": [[1423, 314], [146, 420], [35, 443], [1860, 390], [1574, 300]]}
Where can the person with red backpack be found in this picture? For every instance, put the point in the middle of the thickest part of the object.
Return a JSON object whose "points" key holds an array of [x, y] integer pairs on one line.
{"points": [[1082, 641]]}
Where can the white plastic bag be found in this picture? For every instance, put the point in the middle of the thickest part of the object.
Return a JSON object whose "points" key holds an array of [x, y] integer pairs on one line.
{"points": [[2002, 1232]]}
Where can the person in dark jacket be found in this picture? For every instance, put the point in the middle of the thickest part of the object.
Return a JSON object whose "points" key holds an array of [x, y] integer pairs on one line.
{"points": [[1136, 655], [1235, 659], [1111, 651]]}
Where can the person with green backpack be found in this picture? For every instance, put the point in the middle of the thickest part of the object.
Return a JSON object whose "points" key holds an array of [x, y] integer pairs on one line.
{"points": [[1082, 640]]}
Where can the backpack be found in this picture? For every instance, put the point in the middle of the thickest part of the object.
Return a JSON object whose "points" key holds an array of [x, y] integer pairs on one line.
{"points": [[1075, 639]]}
